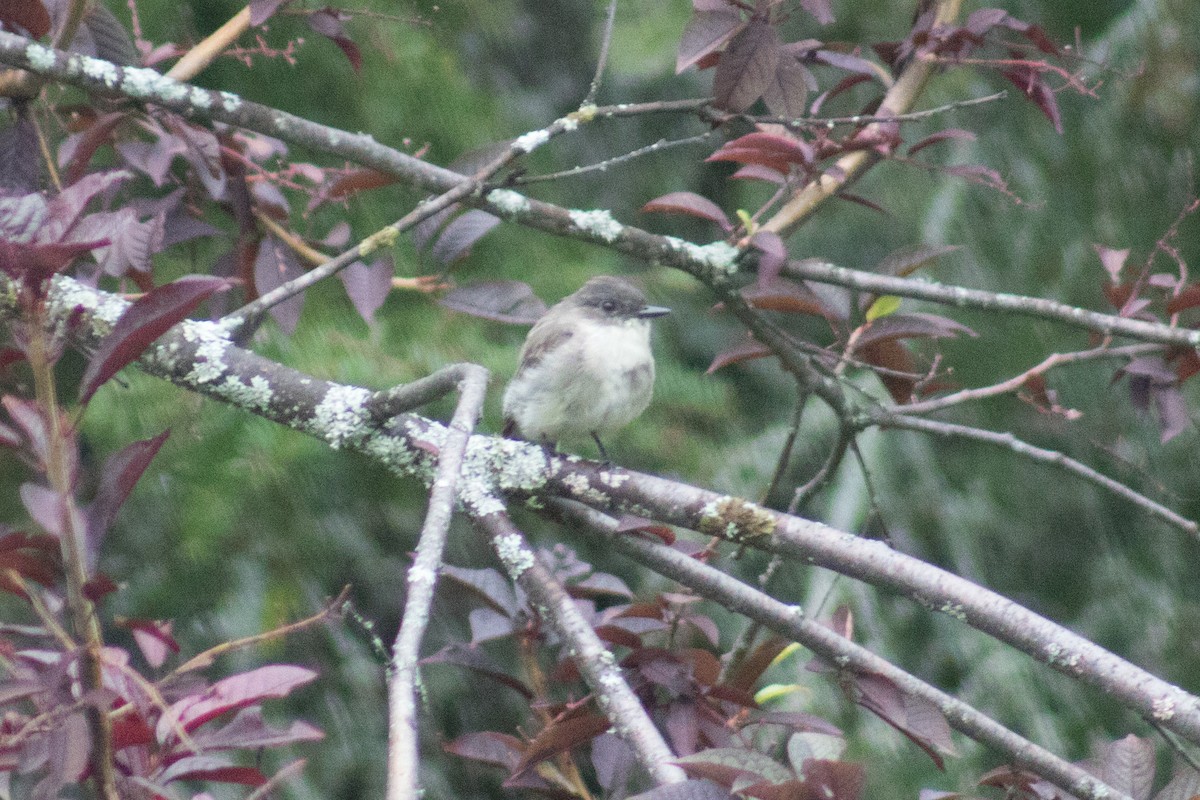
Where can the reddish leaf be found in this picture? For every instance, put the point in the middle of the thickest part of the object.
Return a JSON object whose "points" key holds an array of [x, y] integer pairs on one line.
{"points": [[912, 326], [941, 136], [747, 66], [130, 730], [600, 584], [838, 780], [629, 522], [747, 351], [707, 32], [211, 768], [359, 181], [1030, 81], [800, 721], [791, 297], [689, 203], [34, 264], [487, 624], [1188, 298], [28, 17], [148, 318], [27, 416], [984, 176], [99, 586], [775, 151], [500, 301], [45, 506], [561, 736], [616, 635], [328, 23], [230, 694], [120, 474], [751, 668]]}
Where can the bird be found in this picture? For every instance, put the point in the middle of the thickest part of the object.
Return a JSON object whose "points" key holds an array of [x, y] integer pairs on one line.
{"points": [[586, 367]]}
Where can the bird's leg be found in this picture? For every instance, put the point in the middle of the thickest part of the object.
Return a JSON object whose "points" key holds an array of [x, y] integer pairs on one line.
{"points": [[600, 444]]}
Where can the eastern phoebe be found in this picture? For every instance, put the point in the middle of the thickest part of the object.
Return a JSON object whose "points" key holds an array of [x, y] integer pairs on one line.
{"points": [[586, 367]]}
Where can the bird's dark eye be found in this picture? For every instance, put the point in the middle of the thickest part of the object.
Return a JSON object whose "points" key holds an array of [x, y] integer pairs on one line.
{"points": [[609, 306]]}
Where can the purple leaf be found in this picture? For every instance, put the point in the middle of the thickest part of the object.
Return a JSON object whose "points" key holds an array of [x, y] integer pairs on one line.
{"points": [[1173, 417], [45, 507], [276, 265], [328, 23], [423, 232], [488, 747], [707, 32], [500, 301], [231, 694], [153, 638], [142, 323], [747, 66], [248, 730], [460, 236], [689, 203], [1112, 260], [18, 171], [687, 790], [368, 286], [820, 9], [787, 91], [28, 417], [476, 660], [120, 474], [262, 10], [67, 206], [774, 255]]}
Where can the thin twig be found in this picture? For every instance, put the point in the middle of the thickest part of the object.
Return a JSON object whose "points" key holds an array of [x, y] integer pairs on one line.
{"points": [[403, 778], [1042, 455], [602, 166], [602, 61], [210, 655]]}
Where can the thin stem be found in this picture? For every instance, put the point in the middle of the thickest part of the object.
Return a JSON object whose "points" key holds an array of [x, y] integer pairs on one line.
{"points": [[602, 61]]}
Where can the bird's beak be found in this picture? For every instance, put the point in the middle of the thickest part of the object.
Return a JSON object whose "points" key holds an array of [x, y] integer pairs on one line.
{"points": [[650, 312]]}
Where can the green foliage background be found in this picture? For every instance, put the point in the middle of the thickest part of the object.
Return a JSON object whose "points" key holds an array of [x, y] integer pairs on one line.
{"points": [[241, 526]]}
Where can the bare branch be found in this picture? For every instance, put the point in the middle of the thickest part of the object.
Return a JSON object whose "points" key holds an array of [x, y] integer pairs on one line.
{"points": [[403, 778], [613, 695]]}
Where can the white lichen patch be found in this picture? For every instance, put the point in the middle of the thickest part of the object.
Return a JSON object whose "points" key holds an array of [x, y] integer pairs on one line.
{"points": [[519, 466], [508, 202], [255, 396], [513, 553], [104, 309], [613, 479], [580, 487], [954, 610], [1163, 709], [200, 98], [104, 71], [39, 57], [230, 101], [598, 223], [718, 256], [421, 576], [211, 347], [528, 142], [341, 417]]}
